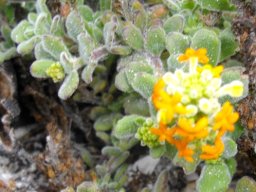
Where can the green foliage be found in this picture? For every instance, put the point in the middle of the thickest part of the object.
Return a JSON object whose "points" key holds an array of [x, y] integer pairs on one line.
{"points": [[239, 129], [75, 25], [133, 36], [86, 12], [208, 39], [245, 184], [176, 43], [134, 104], [87, 187], [188, 167], [39, 67], [161, 184], [216, 5], [18, 34], [127, 126], [143, 84], [54, 46], [69, 85], [155, 40], [174, 24], [111, 151], [57, 26], [106, 122], [128, 79], [105, 4], [230, 148], [228, 44], [214, 177], [42, 24], [158, 151], [232, 164], [27, 46]]}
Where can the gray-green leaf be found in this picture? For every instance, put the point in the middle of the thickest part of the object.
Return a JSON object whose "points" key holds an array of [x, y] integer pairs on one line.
{"points": [[161, 184], [214, 177], [39, 67], [228, 44], [205, 38], [54, 46], [155, 40], [18, 33], [176, 43], [75, 24], [174, 23], [69, 85], [133, 36], [143, 83], [127, 126]]}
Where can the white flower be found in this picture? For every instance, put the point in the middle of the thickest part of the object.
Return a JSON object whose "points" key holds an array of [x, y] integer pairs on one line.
{"points": [[180, 75], [213, 87], [185, 99], [170, 78], [205, 105], [233, 89], [206, 75], [191, 110]]}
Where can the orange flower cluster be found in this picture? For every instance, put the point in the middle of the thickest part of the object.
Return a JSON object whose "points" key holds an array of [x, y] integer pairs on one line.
{"points": [[189, 114], [187, 131], [224, 121], [200, 54]]}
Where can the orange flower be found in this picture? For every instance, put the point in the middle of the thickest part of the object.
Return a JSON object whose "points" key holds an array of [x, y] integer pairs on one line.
{"points": [[163, 133], [226, 118], [216, 71], [167, 105], [212, 151], [200, 54], [166, 134], [183, 150]]}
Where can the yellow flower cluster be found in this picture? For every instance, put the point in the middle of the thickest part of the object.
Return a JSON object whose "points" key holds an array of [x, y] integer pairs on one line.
{"points": [[189, 113], [56, 72]]}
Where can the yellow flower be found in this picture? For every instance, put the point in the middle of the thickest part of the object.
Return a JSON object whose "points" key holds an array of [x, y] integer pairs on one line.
{"points": [[216, 71], [188, 126], [190, 53], [56, 72], [187, 130], [168, 105], [226, 118], [191, 110]]}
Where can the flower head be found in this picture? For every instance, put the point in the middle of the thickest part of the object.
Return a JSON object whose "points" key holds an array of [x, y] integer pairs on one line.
{"points": [[189, 114], [56, 72]]}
